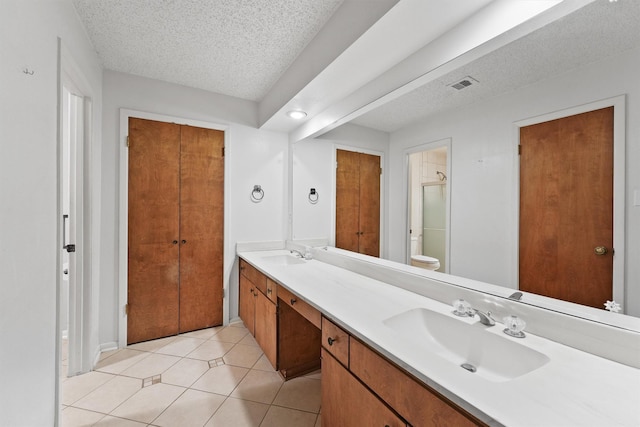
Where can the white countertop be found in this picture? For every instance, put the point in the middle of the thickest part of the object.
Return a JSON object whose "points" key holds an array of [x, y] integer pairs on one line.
{"points": [[574, 388]]}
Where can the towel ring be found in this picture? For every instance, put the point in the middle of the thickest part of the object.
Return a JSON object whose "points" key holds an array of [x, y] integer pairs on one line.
{"points": [[313, 196], [257, 194]]}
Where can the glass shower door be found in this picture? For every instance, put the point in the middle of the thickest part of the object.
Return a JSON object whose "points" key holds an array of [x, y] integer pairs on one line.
{"points": [[434, 211]]}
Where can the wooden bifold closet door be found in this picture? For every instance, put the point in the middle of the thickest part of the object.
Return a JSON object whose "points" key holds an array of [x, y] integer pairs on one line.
{"points": [[176, 229], [358, 202]]}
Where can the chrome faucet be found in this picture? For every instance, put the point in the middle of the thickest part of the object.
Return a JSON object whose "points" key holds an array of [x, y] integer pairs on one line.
{"points": [[516, 296], [485, 318], [300, 254]]}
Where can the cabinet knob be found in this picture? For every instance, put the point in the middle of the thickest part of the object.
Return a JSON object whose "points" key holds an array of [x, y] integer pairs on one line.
{"points": [[175, 242], [184, 241], [293, 301], [330, 341]]}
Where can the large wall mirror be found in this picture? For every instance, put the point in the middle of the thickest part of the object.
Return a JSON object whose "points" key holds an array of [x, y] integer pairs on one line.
{"points": [[587, 60]]}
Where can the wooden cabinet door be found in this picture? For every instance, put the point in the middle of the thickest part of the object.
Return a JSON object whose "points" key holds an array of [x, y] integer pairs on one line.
{"points": [[348, 403], [153, 228], [246, 308], [566, 208], [266, 327], [358, 202], [201, 227]]}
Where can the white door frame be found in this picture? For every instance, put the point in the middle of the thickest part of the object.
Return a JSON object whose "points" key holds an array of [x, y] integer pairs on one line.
{"points": [[123, 223], [619, 173], [83, 348], [445, 142], [73, 134]]}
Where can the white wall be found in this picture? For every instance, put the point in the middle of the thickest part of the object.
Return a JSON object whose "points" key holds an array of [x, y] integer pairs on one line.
{"points": [[29, 32], [252, 157], [484, 161]]}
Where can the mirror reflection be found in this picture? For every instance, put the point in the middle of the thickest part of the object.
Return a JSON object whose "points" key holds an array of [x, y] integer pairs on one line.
{"points": [[428, 209], [586, 61]]}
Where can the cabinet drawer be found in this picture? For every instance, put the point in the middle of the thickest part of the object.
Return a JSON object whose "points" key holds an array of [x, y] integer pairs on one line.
{"points": [[336, 341], [424, 408], [299, 305], [272, 290], [250, 272]]}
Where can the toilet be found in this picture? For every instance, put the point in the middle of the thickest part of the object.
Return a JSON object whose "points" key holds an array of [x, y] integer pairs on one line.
{"points": [[422, 261]]}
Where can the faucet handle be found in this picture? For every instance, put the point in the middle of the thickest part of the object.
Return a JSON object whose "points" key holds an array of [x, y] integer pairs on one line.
{"points": [[462, 308], [514, 326]]}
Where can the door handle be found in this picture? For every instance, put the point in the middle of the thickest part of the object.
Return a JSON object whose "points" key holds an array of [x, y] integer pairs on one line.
{"points": [[69, 247], [600, 250]]}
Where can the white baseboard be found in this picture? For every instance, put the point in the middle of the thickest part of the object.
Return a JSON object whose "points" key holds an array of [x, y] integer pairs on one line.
{"points": [[107, 346]]}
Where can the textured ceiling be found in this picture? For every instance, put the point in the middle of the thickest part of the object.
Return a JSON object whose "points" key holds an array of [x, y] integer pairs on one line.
{"points": [[233, 47], [598, 30]]}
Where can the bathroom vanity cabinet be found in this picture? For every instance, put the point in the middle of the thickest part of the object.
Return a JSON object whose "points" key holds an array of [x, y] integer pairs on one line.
{"points": [[257, 310], [284, 326], [359, 386], [377, 370], [347, 402]]}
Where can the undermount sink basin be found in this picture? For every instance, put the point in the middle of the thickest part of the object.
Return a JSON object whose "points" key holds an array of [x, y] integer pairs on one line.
{"points": [[283, 259], [468, 346]]}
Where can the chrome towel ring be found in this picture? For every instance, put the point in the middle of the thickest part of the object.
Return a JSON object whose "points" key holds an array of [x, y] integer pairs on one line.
{"points": [[257, 194], [313, 196]]}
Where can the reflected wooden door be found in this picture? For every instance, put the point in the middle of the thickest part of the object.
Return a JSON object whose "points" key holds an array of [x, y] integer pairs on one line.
{"points": [[348, 200], [154, 215], [369, 205], [358, 202], [566, 208]]}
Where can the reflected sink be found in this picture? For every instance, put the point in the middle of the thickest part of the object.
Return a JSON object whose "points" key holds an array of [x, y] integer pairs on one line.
{"points": [[283, 260], [482, 353]]}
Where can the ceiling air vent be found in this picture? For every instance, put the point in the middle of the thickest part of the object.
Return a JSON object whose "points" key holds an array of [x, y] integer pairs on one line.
{"points": [[465, 82]]}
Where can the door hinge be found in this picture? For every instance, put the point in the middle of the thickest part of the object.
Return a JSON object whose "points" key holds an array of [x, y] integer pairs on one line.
{"points": [[223, 151], [126, 309], [127, 140], [519, 149], [380, 171]]}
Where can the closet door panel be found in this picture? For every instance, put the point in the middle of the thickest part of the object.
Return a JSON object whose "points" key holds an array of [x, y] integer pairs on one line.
{"points": [[201, 228], [369, 204], [154, 155]]}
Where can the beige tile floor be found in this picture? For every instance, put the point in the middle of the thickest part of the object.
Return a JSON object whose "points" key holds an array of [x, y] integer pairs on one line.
{"points": [[216, 377]]}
